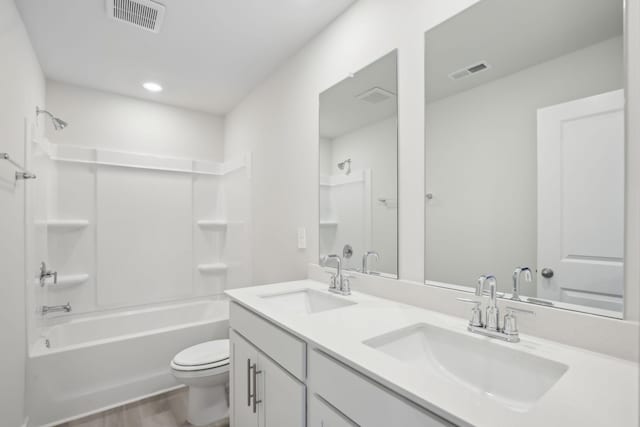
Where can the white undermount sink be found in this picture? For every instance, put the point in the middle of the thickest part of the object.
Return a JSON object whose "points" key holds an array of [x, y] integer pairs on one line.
{"points": [[513, 378], [307, 301]]}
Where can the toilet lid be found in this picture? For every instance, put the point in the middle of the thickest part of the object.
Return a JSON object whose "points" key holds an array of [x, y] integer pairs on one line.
{"points": [[203, 354]]}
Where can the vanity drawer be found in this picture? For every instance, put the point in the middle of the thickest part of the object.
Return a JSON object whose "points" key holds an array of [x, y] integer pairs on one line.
{"points": [[287, 350], [362, 400]]}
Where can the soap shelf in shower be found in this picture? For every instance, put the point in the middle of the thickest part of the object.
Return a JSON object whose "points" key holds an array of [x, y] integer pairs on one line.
{"points": [[217, 267], [328, 223], [212, 224], [69, 280], [67, 224]]}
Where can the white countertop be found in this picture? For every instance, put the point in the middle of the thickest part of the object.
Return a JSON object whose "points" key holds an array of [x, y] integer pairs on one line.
{"points": [[597, 390]]}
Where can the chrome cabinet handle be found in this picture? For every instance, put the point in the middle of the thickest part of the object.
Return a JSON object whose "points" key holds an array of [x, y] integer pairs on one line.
{"points": [[255, 391], [248, 382]]}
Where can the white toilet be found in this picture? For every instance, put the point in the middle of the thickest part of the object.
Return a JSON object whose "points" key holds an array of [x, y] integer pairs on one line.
{"points": [[204, 368]]}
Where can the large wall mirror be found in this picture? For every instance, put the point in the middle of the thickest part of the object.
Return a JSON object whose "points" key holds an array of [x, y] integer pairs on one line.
{"points": [[525, 151], [359, 169]]}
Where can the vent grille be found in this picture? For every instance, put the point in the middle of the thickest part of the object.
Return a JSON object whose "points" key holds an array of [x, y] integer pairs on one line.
{"points": [[144, 14], [375, 95], [469, 70]]}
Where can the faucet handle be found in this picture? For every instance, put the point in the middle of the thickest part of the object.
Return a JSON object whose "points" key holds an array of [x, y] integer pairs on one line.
{"points": [[346, 283], [476, 312], [511, 322], [46, 273], [332, 278]]}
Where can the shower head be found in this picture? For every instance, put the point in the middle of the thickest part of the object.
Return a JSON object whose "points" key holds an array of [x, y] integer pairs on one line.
{"points": [[58, 123], [346, 163]]}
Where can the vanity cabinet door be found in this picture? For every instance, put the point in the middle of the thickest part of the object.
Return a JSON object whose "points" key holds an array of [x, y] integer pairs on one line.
{"points": [[321, 414], [243, 356], [282, 397]]}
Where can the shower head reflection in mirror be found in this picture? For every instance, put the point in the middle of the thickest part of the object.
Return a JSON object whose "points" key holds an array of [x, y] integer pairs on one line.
{"points": [[547, 114], [341, 166]]}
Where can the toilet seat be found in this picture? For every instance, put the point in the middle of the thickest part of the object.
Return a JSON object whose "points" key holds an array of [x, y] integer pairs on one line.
{"points": [[210, 355], [207, 367]]}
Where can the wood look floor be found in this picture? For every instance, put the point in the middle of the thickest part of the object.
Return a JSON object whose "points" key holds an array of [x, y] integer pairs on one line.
{"points": [[165, 410]]}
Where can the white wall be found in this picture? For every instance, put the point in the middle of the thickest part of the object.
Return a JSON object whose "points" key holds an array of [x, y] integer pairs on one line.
{"points": [[483, 217], [278, 122], [326, 168], [116, 122], [374, 147], [21, 89]]}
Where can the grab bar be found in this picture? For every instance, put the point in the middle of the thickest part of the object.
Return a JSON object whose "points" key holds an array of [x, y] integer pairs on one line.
{"points": [[23, 173]]}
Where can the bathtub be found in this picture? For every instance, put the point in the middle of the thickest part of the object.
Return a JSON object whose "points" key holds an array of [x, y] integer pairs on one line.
{"points": [[91, 363]]}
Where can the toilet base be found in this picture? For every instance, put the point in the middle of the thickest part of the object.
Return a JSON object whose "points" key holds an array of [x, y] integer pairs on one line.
{"points": [[207, 405]]}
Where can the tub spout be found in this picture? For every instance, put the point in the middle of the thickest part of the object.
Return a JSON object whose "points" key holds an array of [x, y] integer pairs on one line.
{"points": [[55, 308]]}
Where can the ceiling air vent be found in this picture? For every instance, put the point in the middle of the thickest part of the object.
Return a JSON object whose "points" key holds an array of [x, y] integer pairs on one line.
{"points": [[375, 95], [469, 70], [145, 14]]}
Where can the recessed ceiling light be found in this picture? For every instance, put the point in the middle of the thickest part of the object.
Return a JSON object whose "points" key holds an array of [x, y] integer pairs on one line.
{"points": [[152, 87]]}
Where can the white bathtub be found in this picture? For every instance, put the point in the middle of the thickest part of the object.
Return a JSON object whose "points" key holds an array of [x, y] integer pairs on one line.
{"points": [[100, 361]]}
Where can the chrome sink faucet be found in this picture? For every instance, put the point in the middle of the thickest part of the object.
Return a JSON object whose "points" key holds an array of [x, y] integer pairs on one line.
{"points": [[491, 327], [365, 261], [339, 282], [515, 295], [493, 313]]}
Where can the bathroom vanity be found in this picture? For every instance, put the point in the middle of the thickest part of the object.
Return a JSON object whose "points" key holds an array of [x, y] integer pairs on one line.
{"points": [[304, 356], [275, 372]]}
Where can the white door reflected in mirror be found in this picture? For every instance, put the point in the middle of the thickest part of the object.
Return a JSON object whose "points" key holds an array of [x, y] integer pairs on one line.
{"points": [[581, 201]]}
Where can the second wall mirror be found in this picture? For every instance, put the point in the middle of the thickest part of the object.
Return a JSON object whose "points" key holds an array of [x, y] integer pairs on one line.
{"points": [[525, 151], [359, 169]]}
